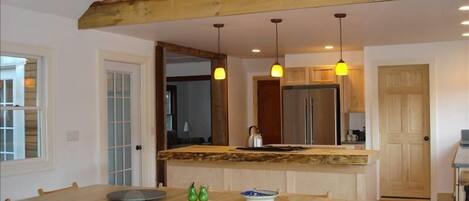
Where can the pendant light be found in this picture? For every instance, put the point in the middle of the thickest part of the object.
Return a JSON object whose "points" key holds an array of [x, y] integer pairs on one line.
{"points": [[277, 69], [341, 68], [219, 73]]}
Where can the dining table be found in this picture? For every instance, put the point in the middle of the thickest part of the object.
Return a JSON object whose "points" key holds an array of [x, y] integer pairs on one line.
{"points": [[99, 192]]}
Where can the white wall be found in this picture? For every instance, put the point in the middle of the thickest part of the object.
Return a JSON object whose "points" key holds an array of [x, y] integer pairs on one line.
{"points": [[255, 67], [237, 102], [353, 58], [188, 69], [76, 94], [449, 98]]}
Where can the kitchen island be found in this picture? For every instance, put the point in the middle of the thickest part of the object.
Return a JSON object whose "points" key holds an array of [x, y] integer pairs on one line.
{"points": [[344, 174]]}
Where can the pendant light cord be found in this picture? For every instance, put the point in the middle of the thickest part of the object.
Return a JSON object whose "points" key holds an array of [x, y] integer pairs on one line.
{"points": [[218, 41], [340, 27], [276, 42]]}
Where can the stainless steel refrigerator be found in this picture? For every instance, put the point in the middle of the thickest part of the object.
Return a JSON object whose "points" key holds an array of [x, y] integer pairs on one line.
{"points": [[311, 115]]}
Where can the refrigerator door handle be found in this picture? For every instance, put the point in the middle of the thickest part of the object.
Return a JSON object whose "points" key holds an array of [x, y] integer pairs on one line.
{"points": [[306, 120], [311, 122]]}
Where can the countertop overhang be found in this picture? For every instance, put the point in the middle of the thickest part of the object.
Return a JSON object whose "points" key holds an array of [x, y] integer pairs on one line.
{"points": [[313, 155]]}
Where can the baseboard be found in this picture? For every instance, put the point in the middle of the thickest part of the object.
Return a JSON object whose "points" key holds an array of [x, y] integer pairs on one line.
{"points": [[445, 197]]}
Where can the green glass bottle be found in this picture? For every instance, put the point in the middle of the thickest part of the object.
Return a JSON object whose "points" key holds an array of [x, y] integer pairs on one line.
{"points": [[192, 193], [203, 193]]}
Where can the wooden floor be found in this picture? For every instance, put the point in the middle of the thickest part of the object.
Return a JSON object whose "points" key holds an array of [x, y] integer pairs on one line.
{"points": [[402, 199]]}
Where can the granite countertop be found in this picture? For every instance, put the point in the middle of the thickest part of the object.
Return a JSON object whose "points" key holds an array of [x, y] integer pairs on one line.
{"points": [[461, 160], [313, 155]]}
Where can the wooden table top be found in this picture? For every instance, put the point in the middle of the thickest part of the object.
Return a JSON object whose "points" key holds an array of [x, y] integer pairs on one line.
{"points": [[99, 192]]}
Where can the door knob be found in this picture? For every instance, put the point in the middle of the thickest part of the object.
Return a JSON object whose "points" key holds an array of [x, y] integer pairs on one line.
{"points": [[426, 138], [138, 147]]}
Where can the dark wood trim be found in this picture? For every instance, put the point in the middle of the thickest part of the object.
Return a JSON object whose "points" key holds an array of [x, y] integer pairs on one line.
{"points": [[218, 93], [219, 106], [189, 51], [188, 78], [160, 89]]}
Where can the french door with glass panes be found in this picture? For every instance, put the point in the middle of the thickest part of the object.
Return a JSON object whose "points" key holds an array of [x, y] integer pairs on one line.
{"points": [[123, 127]]}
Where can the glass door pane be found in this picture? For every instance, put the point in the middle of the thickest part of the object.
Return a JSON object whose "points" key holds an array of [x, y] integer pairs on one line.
{"points": [[119, 128]]}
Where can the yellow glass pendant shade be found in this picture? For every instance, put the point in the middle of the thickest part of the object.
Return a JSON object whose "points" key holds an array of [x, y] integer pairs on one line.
{"points": [[276, 70], [219, 73], [341, 68]]}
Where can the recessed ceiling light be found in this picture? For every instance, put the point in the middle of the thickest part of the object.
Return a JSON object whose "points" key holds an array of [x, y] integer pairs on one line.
{"points": [[465, 34], [465, 22], [328, 47], [256, 50], [464, 8]]}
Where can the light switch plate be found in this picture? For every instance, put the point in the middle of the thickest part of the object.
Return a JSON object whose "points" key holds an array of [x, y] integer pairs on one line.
{"points": [[73, 135]]}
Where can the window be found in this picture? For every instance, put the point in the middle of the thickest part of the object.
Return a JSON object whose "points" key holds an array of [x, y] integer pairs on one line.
{"points": [[171, 121], [26, 109], [20, 113]]}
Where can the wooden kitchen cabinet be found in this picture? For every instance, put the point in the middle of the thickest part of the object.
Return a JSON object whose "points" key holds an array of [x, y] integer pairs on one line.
{"points": [[354, 91], [296, 76], [322, 75], [309, 75]]}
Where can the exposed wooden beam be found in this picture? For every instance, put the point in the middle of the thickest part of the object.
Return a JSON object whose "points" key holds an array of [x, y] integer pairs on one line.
{"points": [[127, 12]]}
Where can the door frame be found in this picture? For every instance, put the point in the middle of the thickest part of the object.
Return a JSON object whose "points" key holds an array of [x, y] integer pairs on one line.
{"points": [[372, 111], [148, 157], [219, 98]]}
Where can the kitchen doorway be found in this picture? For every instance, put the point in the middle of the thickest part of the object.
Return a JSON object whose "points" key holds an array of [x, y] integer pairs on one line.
{"points": [[218, 98], [268, 104], [404, 114]]}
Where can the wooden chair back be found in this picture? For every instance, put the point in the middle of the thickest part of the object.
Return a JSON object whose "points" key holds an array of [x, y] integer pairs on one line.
{"points": [[42, 192]]}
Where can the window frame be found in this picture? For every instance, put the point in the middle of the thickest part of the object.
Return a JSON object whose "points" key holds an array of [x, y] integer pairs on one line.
{"points": [[46, 106]]}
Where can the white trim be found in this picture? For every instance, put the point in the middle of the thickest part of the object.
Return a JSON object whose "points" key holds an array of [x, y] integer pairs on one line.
{"points": [[372, 110], [47, 94], [148, 139]]}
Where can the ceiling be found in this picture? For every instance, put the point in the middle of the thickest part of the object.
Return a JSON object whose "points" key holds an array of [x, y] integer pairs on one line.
{"points": [[303, 30]]}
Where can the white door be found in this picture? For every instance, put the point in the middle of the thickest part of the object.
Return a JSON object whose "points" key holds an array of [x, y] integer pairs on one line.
{"points": [[123, 123]]}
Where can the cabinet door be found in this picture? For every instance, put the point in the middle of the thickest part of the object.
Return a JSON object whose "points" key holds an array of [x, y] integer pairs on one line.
{"points": [[295, 76], [322, 75], [354, 91]]}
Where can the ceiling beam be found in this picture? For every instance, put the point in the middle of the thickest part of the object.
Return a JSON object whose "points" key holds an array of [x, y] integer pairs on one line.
{"points": [[127, 12]]}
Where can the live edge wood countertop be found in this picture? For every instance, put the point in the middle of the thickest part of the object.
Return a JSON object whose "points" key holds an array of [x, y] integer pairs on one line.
{"points": [[312, 156]]}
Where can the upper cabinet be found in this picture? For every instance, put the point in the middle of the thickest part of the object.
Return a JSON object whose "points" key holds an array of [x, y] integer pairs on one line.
{"points": [[296, 76], [308, 75], [354, 91]]}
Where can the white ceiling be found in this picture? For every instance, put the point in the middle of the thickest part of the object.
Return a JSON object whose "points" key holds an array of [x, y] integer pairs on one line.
{"points": [[304, 30]]}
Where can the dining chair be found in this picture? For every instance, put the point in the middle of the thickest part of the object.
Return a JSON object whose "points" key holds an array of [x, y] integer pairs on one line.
{"points": [[42, 192]]}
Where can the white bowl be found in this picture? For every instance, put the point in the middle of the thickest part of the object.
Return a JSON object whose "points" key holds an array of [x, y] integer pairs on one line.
{"points": [[259, 195]]}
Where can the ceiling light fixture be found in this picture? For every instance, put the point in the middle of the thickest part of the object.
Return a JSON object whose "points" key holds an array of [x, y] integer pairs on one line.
{"points": [[256, 50], [464, 8], [465, 22], [341, 68], [465, 34], [328, 47], [219, 73], [277, 69]]}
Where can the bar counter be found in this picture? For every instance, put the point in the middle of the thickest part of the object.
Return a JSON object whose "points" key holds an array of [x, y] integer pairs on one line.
{"points": [[313, 155], [341, 173]]}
